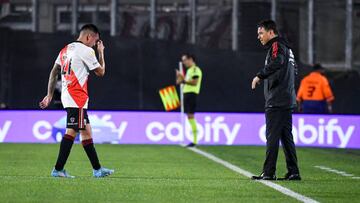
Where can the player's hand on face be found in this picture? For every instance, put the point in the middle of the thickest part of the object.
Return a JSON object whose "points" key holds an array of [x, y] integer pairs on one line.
{"points": [[255, 82], [45, 102], [100, 46]]}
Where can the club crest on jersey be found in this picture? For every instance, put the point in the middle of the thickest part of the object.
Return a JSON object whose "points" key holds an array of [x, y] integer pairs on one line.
{"points": [[72, 119]]}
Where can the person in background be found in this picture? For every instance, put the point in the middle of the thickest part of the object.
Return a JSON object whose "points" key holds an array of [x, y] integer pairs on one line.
{"points": [[192, 85], [315, 94]]}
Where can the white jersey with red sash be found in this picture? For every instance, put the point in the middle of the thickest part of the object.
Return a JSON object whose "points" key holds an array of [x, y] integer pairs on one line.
{"points": [[76, 61]]}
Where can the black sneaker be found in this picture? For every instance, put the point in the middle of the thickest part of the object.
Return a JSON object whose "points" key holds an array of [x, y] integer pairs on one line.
{"points": [[191, 145], [290, 176], [264, 177]]}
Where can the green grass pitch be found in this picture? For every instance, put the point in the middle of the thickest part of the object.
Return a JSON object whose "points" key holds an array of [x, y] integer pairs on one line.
{"points": [[150, 173]]}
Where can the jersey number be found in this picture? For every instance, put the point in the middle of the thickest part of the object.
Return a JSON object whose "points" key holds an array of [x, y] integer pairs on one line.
{"points": [[68, 70], [311, 90]]}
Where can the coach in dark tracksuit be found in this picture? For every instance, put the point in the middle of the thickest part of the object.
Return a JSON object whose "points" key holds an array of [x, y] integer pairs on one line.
{"points": [[278, 75]]}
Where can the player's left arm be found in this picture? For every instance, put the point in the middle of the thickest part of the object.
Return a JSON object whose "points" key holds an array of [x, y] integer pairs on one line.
{"points": [[51, 86], [100, 71], [93, 64]]}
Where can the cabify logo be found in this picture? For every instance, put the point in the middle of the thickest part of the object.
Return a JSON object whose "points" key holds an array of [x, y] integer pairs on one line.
{"points": [[212, 131], [163, 128], [321, 133]]}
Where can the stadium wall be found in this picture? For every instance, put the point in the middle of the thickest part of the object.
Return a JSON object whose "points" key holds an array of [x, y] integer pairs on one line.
{"points": [[138, 68]]}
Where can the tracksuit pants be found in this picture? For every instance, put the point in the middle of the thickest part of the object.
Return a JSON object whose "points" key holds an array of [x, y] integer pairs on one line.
{"points": [[278, 128]]}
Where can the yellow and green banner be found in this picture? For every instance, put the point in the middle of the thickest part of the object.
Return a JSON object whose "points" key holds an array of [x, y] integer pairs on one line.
{"points": [[170, 98]]}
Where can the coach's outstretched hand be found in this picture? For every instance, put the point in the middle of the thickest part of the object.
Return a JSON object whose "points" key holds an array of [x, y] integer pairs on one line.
{"points": [[45, 102], [255, 82]]}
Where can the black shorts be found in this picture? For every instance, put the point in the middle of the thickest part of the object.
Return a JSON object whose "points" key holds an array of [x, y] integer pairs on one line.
{"points": [[77, 119], [190, 100]]}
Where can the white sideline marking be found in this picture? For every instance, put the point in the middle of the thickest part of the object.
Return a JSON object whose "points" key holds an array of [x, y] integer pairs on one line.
{"points": [[243, 172], [342, 173]]}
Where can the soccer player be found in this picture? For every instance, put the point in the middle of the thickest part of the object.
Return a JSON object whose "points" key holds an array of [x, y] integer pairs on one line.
{"points": [[278, 75], [192, 84], [75, 61], [314, 94]]}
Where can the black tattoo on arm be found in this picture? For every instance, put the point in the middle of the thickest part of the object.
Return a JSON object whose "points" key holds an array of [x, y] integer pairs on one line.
{"points": [[53, 79]]}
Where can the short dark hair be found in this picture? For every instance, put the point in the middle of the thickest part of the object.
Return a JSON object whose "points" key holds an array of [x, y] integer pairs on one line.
{"points": [[318, 66], [189, 56], [268, 25], [90, 27]]}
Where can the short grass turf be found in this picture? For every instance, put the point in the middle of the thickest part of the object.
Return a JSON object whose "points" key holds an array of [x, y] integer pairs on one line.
{"points": [[150, 173], [318, 184]]}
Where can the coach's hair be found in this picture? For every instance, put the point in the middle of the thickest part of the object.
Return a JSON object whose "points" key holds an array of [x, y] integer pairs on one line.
{"points": [[90, 27], [268, 25], [189, 56]]}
